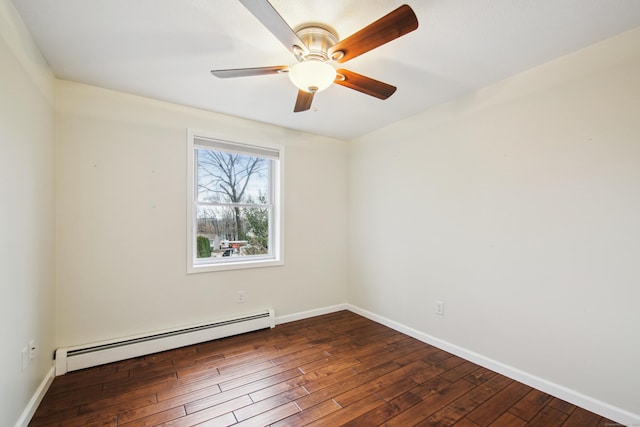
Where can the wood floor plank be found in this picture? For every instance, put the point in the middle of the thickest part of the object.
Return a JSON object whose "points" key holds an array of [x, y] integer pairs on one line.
{"points": [[50, 416], [449, 362], [254, 376], [604, 422], [310, 362], [279, 388], [479, 376], [459, 371], [271, 416], [107, 411], [239, 391], [156, 418], [270, 403], [529, 406], [319, 411], [430, 371], [382, 357], [208, 383], [86, 378], [319, 395], [351, 412], [431, 402], [465, 423], [197, 358], [140, 399], [179, 400], [561, 405], [301, 354], [215, 414], [498, 404], [396, 389], [331, 370], [548, 417], [221, 421], [135, 383], [379, 382], [508, 420], [583, 418], [466, 403], [384, 412], [437, 356], [411, 353], [329, 365]]}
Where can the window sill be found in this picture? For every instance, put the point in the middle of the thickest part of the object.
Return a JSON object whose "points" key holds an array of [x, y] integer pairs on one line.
{"points": [[239, 265]]}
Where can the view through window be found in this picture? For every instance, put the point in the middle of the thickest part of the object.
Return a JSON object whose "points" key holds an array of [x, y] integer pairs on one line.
{"points": [[235, 204]]}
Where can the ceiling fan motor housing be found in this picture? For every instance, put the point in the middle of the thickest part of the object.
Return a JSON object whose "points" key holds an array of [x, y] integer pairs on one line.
{"points": [[318, 41]]}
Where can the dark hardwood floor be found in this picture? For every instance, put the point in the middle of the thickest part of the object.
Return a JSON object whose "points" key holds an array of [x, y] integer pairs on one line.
{"points": [[332, 370]]}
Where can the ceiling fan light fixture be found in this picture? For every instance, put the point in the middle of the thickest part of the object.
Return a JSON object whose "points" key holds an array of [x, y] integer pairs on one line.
{"points": [[312, 75]]}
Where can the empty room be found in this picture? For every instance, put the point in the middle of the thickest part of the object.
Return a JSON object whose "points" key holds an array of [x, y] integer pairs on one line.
{"points": [[366, 213]]}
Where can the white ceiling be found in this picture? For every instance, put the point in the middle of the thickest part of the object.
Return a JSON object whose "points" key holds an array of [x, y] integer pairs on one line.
{"points": [[165, 49]]}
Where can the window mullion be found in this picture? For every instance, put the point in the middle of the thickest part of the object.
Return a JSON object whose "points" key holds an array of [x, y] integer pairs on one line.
{"points": [[234, 205]]}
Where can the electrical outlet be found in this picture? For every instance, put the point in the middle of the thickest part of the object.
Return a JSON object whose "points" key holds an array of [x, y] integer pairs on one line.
{"points": [[25, 358], [32, 350], [440, 308], [241, 296]]}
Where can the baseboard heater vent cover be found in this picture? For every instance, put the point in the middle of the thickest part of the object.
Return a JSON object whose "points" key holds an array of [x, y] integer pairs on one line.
{"points": [[80, 357]]}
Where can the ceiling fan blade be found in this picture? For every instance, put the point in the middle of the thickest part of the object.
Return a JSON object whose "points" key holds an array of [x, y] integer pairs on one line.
{"points": [[364, 84], [246, 72], [303, 102], [271, 19], [391, 26]]}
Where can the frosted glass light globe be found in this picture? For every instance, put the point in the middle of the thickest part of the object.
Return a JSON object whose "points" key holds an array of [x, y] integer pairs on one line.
{"points": [[312, 75]]}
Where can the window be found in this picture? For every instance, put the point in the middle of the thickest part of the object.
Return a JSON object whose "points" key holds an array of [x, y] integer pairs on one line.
{"points": [[234, 212]]}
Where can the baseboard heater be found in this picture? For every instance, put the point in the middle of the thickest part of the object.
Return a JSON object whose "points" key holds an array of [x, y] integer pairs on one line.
{"points": [[80, 357]]}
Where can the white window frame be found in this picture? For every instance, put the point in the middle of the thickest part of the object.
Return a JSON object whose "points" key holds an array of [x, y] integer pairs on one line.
{"points": [[198, 139]]}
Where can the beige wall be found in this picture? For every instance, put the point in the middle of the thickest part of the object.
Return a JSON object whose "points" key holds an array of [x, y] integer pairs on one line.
{"points": [[519, 207], [27, 257], [121, 204]]}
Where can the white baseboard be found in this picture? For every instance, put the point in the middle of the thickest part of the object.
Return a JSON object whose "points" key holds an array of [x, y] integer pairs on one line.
{"points": [[31, 407], [589, 403], [310, 313]]}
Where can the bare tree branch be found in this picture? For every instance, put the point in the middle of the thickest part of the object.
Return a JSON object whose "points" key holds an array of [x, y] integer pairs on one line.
{"points": [[227, 176]]}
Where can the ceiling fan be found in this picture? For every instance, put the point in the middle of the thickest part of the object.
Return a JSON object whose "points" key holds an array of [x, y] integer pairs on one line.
{"points": [[316, 47]]}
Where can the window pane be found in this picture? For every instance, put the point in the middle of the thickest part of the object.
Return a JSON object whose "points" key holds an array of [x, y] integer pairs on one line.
{"points": [[257, 230], [232, 231], [225, 177]]}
